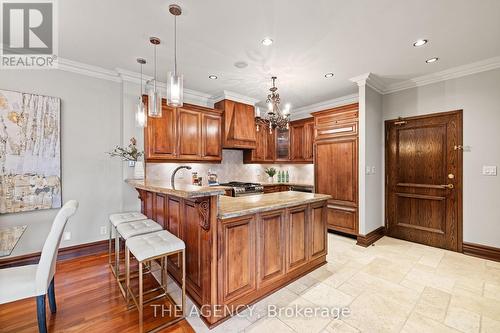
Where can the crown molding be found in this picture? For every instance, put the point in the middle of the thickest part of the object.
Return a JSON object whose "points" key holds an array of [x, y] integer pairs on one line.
{"points": [[370, 80], [305, 111], [226, 94], [87, 70], [448, 74]]}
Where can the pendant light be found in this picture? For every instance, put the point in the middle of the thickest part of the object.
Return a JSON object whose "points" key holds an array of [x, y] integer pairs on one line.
{"points": [[140, 113], [154, 95], [175, 93]]}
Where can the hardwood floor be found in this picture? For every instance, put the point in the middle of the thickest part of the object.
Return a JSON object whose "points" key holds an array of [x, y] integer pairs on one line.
{"points": [[88, 299]]}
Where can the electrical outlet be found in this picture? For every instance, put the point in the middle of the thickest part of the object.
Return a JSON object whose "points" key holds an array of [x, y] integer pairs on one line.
{"points": [[104, 230], [67, 235]]}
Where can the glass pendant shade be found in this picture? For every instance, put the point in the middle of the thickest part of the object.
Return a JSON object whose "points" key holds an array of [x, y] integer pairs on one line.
{"points": [[175, 90], [140, 114], [154, 101]]}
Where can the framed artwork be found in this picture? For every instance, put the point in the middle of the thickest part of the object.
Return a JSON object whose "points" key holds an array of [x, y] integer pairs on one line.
{"points": [[30, 152]]}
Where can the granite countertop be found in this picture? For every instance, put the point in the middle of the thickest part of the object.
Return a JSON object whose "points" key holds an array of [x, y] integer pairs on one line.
{"points": [[180, 190], [239, 206]]}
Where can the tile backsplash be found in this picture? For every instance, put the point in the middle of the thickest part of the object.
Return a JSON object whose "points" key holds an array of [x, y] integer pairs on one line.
{"points": [[231, 169]]}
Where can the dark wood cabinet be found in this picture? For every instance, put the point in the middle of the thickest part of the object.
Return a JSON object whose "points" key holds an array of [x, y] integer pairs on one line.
{"points": [[237, 261], [302, 140], [275, 188], [238, 125], [336, 165], [211, 137], [237, 258], [292, 146], [318, 231], [297, 234], [271, 247], [190, 133], [160, 135]]}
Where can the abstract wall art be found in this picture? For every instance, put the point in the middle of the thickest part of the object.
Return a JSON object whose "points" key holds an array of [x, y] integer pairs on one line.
{"points": [[30, 152]]}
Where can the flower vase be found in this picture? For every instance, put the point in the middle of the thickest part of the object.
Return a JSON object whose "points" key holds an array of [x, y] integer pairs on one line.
{"points": [[270, 179], [139, 170]]}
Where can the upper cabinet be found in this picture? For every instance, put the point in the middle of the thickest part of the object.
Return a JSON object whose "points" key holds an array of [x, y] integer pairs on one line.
{"points": [[238, 126], [189, 133], [292, 146], [302, 140]]}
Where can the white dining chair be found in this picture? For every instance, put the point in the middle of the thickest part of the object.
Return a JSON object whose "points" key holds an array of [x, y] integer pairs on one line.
{"points": [[38, 280]]}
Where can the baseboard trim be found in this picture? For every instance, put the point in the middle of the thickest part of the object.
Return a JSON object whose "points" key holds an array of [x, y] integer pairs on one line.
{"points": [[481, 251], [66, 253], [371, 237]]}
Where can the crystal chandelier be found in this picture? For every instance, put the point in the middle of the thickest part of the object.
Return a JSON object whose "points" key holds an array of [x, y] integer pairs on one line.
{"points": [[274, 117]]}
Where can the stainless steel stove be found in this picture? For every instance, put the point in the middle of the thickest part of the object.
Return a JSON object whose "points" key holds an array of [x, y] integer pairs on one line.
{"points": [[241, 189]]}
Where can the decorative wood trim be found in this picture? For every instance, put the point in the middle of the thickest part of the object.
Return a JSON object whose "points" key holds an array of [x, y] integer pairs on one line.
{"points": [[65, 253], [204, 211], [481, 251], [371, 237]]}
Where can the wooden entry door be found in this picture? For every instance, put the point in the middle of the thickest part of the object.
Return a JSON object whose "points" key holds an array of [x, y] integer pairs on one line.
{"points": [[424, 179]]}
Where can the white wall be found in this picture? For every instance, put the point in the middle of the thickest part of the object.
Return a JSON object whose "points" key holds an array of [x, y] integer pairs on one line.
{"points": [[374, 151], [479, 97], [90, 126]]}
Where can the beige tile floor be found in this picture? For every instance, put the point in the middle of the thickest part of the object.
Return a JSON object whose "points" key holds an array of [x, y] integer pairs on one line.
{"points": [[393, 286]]}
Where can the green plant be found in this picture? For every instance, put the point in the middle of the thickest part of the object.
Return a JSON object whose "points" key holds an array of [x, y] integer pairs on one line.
{"points": [[130, 153], [270, 172]]}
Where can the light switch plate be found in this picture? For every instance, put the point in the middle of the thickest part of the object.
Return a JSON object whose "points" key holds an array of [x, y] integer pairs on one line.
{"points": [[489, 170], [67, 235], [368, 170], [373, 170]]}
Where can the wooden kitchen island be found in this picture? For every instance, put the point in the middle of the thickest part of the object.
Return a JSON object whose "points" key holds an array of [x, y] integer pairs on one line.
{"points": [[238, 250]]}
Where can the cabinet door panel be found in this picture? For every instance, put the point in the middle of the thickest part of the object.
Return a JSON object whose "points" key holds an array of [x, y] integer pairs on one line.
{"points": [[193, 239], [318, 239], [337, 169], [161, 135], [271, 246], [160, 210], [149, 205], [211, 137], [237, 258], [343, 219], [189, 134], [297, 237], [308, 141], [174, 226], [297, 142]]}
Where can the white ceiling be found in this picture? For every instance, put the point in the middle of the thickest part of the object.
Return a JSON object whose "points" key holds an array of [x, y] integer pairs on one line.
{"points": [[347, 38]]}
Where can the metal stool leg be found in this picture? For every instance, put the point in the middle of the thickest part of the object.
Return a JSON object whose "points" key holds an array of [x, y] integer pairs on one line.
{"points": [[117, 254], [109, 243], [141, 298], [127, 273], [183, 283]]}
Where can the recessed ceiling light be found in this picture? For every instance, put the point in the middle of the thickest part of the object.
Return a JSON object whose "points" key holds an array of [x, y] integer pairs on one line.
{"points": [[240, 64], [420, 42], [431, 60], [267, 41], [327, 75], [212, 77]]}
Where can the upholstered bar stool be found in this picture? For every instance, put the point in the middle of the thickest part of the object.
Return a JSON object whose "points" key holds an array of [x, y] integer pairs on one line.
{"points": [[128, 230], [145, 248], [114, 221]]}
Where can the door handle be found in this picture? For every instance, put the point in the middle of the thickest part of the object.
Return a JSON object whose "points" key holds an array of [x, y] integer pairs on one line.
{"points": [[450, 186]]}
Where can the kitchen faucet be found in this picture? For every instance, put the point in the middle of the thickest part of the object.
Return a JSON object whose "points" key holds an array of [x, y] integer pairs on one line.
{"points": [[172, 178]]}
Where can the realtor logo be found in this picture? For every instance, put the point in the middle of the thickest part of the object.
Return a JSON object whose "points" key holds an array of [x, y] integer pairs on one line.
{"points": [[28, 34]]}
